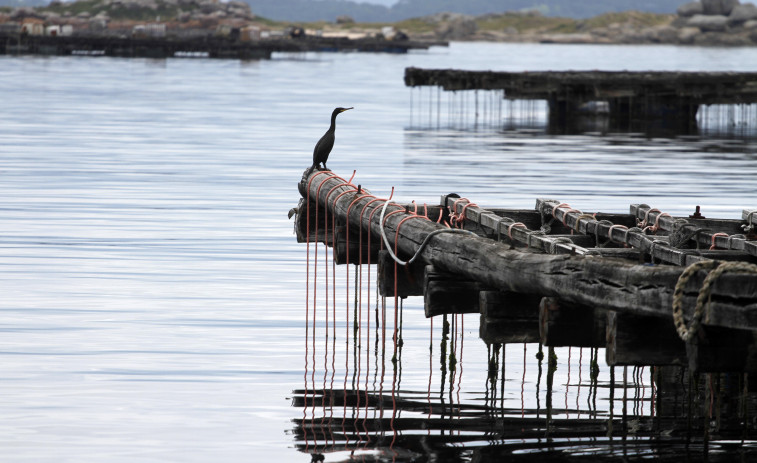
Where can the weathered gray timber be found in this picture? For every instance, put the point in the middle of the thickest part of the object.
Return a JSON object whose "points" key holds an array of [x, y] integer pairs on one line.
{"points": [[566, 324], [660, 344], [631, 95], [444, 293], [508, 318], [579, 278]]}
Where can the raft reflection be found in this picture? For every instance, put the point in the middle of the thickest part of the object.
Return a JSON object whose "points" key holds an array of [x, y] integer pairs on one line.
{"points": [[643, 413]]}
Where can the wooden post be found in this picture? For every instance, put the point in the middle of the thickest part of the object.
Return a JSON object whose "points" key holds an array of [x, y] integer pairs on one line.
{"points": [[301, 223], [409, 279], [562, 323], [445, 293], [640, 341], [508, 318], [717, 349], [355, 253]]}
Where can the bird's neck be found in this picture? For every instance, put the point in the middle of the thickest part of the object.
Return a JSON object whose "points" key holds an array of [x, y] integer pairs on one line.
{"points": [[333, 121]]}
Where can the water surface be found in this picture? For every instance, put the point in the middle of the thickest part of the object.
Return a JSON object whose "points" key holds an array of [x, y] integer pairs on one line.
{"points": [[153, 293]]}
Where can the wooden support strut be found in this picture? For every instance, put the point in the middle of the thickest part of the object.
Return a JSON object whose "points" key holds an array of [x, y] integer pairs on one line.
{"points": [[610, 283]]}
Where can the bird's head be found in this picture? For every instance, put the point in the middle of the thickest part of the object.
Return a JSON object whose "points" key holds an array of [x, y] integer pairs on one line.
{"points": [[340, 110]]}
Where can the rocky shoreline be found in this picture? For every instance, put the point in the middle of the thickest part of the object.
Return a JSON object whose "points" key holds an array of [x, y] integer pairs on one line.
{"points": [[700, 23], [705, 23]]}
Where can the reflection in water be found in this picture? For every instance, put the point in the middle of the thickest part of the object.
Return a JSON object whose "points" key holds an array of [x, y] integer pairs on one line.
{"points": [[533, 402], [433, 108]]}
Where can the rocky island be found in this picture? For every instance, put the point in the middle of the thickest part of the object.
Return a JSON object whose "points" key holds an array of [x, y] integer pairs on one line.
{"points": [[703, 23]]}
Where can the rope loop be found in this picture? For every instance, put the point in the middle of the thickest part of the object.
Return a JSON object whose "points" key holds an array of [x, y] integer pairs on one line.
{"points": [[510, 228], [644, 223], [606, 223], [651, 249], [716, 269], [554, 242], [582, 217], [712, 242], [656, 225], [614, 226]]}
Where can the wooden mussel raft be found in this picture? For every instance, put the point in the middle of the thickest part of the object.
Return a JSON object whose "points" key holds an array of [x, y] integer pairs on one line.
{"points": [[651, 288], [672, 97]]}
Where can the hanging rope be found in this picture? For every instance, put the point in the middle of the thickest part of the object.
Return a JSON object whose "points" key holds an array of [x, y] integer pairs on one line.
{"points": [[703, 299]]}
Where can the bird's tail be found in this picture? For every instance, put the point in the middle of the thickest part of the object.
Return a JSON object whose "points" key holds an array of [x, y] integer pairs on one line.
{"points": [[310, 171]]}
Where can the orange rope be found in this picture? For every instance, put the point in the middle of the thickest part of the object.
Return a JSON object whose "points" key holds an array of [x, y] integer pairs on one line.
{"points": [[712, 246]]}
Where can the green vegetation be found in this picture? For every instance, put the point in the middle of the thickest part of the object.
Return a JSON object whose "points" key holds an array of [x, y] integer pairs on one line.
{"points": [[635, 18], [526, 23]]}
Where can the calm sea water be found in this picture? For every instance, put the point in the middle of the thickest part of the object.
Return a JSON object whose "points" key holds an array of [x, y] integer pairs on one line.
{"points": [[152, 294]]}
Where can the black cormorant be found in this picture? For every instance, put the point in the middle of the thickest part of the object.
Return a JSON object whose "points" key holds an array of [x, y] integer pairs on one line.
{"points": [[324, 145]]}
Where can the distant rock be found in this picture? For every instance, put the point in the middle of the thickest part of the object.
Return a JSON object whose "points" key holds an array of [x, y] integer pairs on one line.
{"points": [[690, 9], [686, 35], [743, 13], [453, 26], [660, 34], [750, 25], [723, 40], [719, 7], [708, 23]]}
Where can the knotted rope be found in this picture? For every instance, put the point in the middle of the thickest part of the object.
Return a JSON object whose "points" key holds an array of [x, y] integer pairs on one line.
{"points": [[704, 298]]}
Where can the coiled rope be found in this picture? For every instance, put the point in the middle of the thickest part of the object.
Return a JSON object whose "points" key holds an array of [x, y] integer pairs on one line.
{"points": [[423, 244], [703, 299]]}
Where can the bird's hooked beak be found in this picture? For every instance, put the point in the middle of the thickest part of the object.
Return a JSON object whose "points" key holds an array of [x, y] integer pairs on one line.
{"points": [[346, 109]]}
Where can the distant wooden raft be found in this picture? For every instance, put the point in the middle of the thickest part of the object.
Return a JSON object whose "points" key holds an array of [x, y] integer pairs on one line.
{"points": [[645, 95], [602, 274]]}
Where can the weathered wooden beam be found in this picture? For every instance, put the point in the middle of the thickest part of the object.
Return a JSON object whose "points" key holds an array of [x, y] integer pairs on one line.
{"points": [[410, 278], [609, 283], [508, 318], [356, 248], [566, 324], [638, 341], [446, 293], [718, 349], [306, 217]]}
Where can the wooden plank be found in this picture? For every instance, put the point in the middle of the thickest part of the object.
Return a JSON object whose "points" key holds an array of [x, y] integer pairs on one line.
{"points": [[609, 283]]}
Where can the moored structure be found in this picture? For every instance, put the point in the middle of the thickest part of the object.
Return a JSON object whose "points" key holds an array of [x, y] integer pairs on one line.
{"points": [[674, 97], [651, 288]]}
